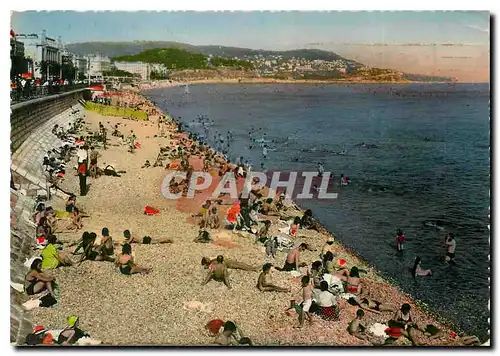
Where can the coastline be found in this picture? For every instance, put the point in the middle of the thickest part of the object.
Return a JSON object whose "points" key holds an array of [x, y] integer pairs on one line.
{"points": [[176, 270], [167, 84], [373, 272]]}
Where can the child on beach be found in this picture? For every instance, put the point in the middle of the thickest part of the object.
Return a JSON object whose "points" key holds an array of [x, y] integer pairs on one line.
{"points": [[306, 300], [400, 240]]}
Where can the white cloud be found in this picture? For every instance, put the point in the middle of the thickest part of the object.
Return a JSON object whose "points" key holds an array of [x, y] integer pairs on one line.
{"points": [[474, 27]]}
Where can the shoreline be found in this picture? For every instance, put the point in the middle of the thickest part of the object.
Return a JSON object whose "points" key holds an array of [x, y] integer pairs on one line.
{"points": [[177, 272], [422, 306], [167, 84]]}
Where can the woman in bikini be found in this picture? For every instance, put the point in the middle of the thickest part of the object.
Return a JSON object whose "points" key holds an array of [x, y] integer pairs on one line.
{"points": [[36, 281], [92, 252], [353, 281], [126, 262], [365, 302]]}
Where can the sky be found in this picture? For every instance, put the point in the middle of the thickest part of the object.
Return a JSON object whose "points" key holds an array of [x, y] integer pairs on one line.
{"points": [[438, 43]]}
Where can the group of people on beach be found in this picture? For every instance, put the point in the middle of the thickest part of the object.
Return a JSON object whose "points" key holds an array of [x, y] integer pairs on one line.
{"points": [[328, 285]]}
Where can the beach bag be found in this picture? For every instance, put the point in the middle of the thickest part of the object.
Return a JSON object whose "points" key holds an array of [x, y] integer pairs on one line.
{"points": [[47, 301], [149, 210], [34, 339], [146, 240]]}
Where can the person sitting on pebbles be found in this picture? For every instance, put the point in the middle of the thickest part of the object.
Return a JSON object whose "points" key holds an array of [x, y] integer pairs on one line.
{"points": [[36, 281], [125, 261], [292, 261], [71, 334], [106, 246], [231, 335], [230, 264], [358, 330], [218, 272], [213, 221], [52, 258], [92, 252], [264, 286]]}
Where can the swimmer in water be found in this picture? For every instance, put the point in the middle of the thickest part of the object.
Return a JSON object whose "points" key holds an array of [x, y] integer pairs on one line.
{"points": [[321, 169]]}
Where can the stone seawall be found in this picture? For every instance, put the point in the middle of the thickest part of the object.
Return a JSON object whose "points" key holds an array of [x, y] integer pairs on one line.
{"points": [[27, 116], [31, 124]]}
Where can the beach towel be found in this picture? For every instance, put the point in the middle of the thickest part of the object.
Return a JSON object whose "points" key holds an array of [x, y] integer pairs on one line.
{"points": [[30, 260], [137, 145], [335, 285], [31, 304], [149, 210], [295, 274], [17, 286], [378, 329], [346, 296], [87, 341]]}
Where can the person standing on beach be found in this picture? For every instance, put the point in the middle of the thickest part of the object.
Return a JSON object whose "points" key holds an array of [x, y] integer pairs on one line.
{"points": [[82, 175], [306, 300], [451, 246]]}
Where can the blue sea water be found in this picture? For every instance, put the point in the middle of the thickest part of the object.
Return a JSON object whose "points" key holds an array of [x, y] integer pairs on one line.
{"points": [[427, 163]]}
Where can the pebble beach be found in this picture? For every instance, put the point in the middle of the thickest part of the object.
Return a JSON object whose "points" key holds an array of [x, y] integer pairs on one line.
{"points": [[152, 309]]}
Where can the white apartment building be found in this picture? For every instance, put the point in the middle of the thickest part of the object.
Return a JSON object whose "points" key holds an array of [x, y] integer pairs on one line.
{"points": [[98, 65], [141, 69], [43, 49]]}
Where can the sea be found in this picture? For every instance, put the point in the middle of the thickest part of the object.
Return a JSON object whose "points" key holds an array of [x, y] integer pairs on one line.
{"points": [[418, 156]]}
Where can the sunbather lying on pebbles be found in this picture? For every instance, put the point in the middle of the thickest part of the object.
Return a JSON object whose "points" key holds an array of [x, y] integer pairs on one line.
{"points": [[366, 303], [126, 262], [264, 286], [230, 264], [130, 239], [218, 272], [36, 281]]}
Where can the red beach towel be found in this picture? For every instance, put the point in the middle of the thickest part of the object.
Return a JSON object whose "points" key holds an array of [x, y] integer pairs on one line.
{"points": [[137, 145], [149, 210]]}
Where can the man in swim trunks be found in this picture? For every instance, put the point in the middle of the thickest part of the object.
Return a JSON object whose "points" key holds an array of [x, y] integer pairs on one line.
{"points": [[451, 244], [292, 261], [218, 272], [262, 284], [230, 264]]}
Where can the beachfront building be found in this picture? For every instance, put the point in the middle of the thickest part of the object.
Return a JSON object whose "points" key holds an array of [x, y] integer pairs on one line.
{"points": [[98, 65], [46, 54], [81, 66], [141, 69]]}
